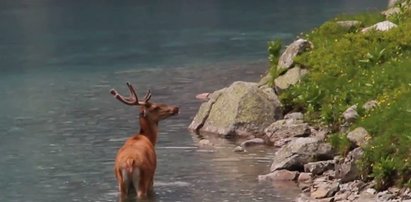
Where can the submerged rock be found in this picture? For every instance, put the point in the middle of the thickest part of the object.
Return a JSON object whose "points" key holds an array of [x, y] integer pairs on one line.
{"points": [[240, 110], [254, 141], [279, 175]]}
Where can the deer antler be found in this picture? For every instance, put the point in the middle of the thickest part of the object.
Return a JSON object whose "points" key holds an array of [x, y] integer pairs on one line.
{"points": [[132, 99]]}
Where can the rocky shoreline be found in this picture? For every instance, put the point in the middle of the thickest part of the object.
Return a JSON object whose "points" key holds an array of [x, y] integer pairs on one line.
{"points": [[253, 111]]}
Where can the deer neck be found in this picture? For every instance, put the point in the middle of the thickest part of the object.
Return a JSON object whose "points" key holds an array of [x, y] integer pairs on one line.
{"points": [[149, 128]]}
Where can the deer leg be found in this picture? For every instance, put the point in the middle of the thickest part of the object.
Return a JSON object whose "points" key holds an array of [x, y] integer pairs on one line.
{"points": [[124, 183], [136, 175], [144, 185], [151, 185]]}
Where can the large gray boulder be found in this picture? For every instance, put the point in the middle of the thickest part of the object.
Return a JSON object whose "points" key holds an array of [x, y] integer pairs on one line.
{"points": [[299, 152], [241, 110], [286, 60], [291, 77]]}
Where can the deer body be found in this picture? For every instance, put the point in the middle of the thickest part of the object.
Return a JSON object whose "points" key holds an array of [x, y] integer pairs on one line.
{"points": [[136, 160]]}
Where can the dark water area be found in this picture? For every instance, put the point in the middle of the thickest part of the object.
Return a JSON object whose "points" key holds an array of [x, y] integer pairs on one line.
{"points": [[60, 128]]}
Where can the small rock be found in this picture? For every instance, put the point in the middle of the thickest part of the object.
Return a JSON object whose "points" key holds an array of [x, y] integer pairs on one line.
{"points": [[282, 142], [341, 196], [359, 136], [394, 190], [324, 189], [370, 105], [384, 196], [347, 170], [381, 26], [205, 143], [330, 174], [348, 24], [318, 167], [294, 116], [254, 141], [239, 149], [283, 129], [366, 197], [320, 134], [203, 96], [371, 191], [351, 114], [279, 175], [305, 177], [392, 3]]}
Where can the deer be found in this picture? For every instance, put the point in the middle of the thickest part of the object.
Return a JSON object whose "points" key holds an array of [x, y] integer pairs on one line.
{"points": [[136, 160]]}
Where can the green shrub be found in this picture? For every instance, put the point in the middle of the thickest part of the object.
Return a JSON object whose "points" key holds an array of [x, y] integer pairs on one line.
{"points": [[340, 143], [274, 51]]}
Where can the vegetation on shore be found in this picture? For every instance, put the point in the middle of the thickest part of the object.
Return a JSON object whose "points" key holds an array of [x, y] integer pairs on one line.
{"points": [[348, 67]]}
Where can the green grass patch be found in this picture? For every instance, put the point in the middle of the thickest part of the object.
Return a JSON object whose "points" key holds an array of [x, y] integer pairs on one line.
{"points": [[348, 67]]}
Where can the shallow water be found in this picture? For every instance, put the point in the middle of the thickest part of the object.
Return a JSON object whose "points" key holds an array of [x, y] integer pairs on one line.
{"points": [[60, 128]]}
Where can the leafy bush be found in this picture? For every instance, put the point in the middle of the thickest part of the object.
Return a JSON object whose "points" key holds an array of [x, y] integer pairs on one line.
{"points": [[340, 143], [274, 51]]}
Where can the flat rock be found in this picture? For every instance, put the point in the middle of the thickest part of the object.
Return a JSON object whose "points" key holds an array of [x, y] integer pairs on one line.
{"points": [[381, 26], [318, 167], [284, 129], [305, 177], [279, 175], [324, 189]]}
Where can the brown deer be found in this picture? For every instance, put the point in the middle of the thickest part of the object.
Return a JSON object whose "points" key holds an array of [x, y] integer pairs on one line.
{"points": [[136, 160]]}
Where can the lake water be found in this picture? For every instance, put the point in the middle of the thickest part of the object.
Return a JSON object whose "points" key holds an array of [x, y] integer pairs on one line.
{"points": [[60, 128]]}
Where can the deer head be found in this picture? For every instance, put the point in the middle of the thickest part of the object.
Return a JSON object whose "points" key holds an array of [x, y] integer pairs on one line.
{"points": [[155, 112]]}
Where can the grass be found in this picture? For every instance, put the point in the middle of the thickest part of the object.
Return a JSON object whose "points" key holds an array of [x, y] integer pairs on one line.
{"points": [[348, 67]]}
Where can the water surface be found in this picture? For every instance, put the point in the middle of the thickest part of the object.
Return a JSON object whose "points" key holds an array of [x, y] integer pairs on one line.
{"points": [[60, 128]]}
